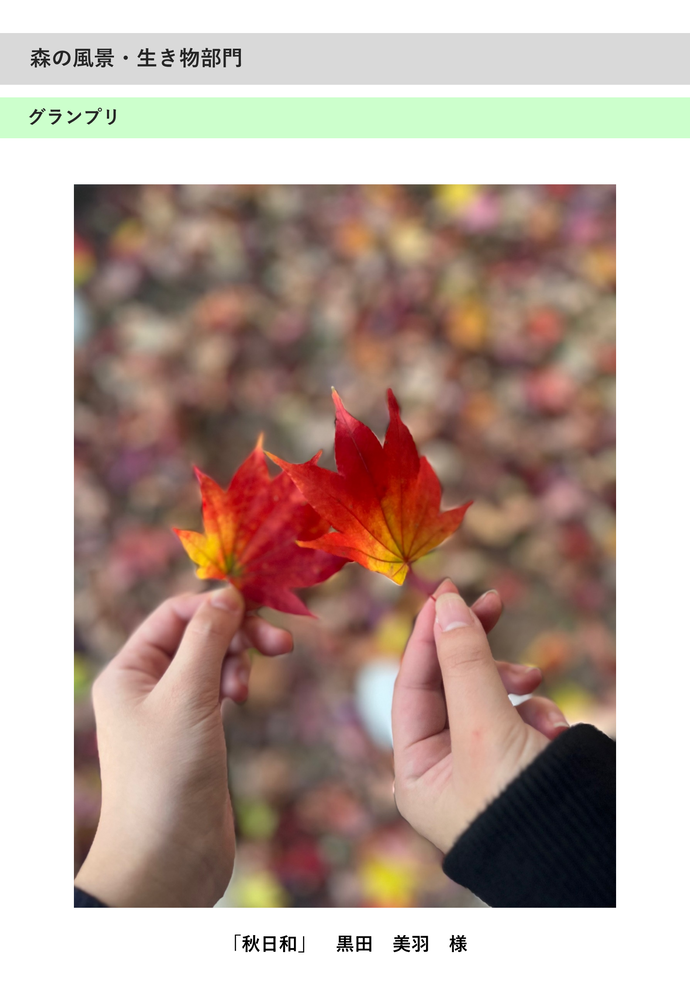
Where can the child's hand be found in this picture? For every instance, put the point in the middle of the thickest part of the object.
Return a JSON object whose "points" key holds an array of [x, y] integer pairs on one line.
{"points": [[165, 836], [457, 739]]}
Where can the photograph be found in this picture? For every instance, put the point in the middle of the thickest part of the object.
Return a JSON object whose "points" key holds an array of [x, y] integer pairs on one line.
{"points": [[345, 493]]}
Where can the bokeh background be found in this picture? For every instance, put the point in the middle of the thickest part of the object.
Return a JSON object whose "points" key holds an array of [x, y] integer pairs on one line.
{"points": [[207, 314]]}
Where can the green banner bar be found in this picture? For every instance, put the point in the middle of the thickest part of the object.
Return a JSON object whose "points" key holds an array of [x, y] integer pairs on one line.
{"points": [[240, 116]]}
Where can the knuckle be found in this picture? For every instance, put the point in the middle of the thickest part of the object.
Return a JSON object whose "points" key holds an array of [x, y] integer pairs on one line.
{"points": [[170, 605], [463, 652], [209, 624], [181, 597], [541, 708]]}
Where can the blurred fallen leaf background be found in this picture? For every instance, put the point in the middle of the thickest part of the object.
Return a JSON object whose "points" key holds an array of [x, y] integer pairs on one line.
{"points": [[205, 315]]}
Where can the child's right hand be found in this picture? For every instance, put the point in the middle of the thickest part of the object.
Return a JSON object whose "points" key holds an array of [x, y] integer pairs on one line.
{"points": [[458, 741]]}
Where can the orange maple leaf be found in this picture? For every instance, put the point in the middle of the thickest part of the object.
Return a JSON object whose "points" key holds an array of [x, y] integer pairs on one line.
{"points": [[384, 502], [250, 537]]}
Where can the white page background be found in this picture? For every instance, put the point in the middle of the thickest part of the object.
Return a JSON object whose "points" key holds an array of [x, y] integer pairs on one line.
{"points": [[50, 940]]}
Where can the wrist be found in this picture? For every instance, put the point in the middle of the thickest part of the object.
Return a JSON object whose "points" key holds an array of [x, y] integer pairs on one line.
{"points": [[123, 873], [122, 878]]}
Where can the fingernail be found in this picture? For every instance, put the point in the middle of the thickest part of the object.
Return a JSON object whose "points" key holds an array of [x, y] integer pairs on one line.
{"points": [[243, 675], [560, 723], [525, 668], [446, 582], [227, 598], [488, 593], [452, 611]]}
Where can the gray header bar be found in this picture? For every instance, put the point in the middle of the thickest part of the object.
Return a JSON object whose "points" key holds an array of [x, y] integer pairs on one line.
{"points": [[345, 59]]}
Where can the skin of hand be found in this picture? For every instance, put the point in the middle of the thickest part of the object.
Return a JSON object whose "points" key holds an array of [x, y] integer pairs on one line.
{"points": [[458, 741], [166, 834]]}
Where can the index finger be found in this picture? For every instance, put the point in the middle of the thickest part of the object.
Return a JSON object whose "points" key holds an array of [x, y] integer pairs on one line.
{"points": [[148, 652], [419, 708]]}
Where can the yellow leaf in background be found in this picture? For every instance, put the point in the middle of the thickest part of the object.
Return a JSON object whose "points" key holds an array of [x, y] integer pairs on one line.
{"points": [[84, 261], [410, 242], [467, 324], [129, 238], [392, 633], [387, 882], [256, 819], [575, 702], [258, 890], [599, 266], [455, 198], [82, 676]]}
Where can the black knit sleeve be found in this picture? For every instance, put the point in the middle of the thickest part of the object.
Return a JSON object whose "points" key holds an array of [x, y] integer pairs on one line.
{"points": [[82, 899], [549, 840]]}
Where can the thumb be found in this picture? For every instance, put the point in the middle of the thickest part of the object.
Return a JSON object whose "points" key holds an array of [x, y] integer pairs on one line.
{"points": [[195, 670], [475, 695]]}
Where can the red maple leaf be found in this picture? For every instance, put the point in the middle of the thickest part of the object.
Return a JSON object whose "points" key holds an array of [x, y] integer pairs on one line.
{"points": [[250, 537], [384, 502]]}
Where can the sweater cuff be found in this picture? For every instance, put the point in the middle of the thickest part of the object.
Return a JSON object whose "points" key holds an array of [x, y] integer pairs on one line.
{"points": [[549, 840]]}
